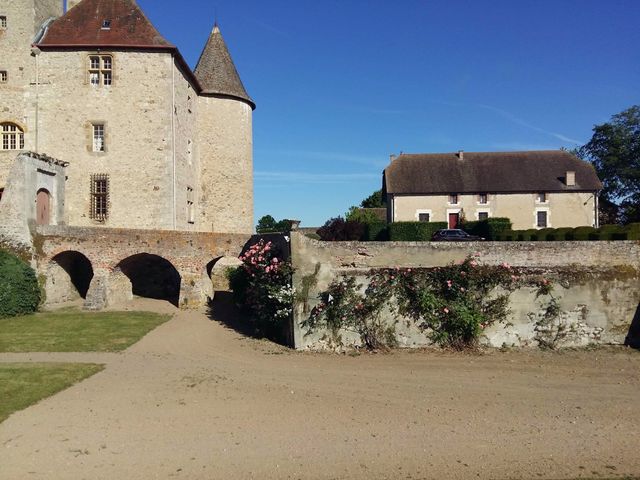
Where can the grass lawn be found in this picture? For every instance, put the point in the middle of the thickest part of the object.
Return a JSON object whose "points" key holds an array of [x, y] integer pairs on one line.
{"points": [[23, 384], [76, 331]]}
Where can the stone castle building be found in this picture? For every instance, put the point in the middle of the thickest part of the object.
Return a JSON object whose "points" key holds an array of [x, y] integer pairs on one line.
{"points": [[143, 141]]}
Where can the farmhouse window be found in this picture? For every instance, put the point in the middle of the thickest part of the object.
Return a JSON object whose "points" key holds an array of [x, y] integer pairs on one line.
{"points": [[541, 197], [541, 219], [12, 137], [483, 216], [424, 217], [98, 137], [100, 70], [3, 76], [453, 199], [99, 197], [483, 199]]}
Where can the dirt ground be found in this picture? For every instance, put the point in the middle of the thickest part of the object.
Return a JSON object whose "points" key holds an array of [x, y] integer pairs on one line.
{"points": [[196, 400]]}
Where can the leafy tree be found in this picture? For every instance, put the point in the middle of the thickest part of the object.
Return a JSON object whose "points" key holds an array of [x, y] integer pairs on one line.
{"points": [[268, 224], [337, 229], [375, 200], [614, 150], [357, 214]]}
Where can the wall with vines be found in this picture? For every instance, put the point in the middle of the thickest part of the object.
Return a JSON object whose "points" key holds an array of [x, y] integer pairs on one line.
{"points": [[412, 294]]}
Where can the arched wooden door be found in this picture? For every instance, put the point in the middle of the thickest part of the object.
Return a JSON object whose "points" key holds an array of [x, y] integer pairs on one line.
{"points": [[43, 207]]}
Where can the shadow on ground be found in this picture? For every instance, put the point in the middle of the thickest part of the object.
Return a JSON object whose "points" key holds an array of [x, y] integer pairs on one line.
{"points": [[223, 310], [633, 337]]}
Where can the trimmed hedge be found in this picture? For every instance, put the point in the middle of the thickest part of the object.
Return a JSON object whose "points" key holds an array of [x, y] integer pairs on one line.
{"points": [[19, 289], [414, 231], [376, 232], [606, 232], [490, 229]]}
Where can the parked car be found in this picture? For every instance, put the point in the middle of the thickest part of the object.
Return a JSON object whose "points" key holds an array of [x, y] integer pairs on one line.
{"points": [[454, 235]]}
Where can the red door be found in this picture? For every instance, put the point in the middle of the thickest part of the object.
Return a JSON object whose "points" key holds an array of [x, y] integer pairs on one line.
{"points": [[43, 204], [454, 218]]}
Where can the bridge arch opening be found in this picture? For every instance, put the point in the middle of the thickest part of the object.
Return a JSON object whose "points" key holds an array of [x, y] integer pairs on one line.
{"points": [[217, 272], [69, 276], [152, 276]]}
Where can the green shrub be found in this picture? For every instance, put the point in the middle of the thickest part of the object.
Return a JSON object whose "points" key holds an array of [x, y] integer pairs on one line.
{"points": [[585, 233], [633, 231], [531, 235], [19, 289], [414, 231], [489, 229], [506, 236], [376, 231], [613, 232], [565, 233]]}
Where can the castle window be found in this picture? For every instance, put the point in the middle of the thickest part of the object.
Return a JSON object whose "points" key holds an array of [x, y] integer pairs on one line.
{"points": [[3, 21], [100, 70], [3, 76], [99, 197], [190, 208], [12, 137], [98, 138]]}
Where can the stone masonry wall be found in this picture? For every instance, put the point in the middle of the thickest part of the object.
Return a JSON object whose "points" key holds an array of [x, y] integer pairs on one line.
{"points": [[136, 111], [598, 307], [226, 165]]}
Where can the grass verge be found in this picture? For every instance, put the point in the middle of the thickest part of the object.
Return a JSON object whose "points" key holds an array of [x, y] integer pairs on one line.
{"points": [[23, 384], [76, 331]]}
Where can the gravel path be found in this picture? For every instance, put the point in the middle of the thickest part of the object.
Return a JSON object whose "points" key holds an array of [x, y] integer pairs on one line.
{"points": [[196, 400]]}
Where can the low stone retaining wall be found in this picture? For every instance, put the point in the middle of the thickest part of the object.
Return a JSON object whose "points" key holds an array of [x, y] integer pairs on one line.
{"points": [[598, 287]]}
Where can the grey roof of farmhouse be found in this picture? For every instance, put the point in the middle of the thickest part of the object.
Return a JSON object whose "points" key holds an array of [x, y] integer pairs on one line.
{"points": [[216, 72], [499, 172]]}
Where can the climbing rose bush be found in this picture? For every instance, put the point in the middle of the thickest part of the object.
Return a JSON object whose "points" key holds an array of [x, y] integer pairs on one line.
{"points": [[262, 286], [453, 304]]}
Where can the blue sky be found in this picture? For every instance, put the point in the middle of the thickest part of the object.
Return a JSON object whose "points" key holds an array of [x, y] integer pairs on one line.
{"points": [[341, 85]]}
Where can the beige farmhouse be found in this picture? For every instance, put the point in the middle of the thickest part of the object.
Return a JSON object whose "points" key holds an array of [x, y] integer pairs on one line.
{"points": [[535, 189], [143, 141]]}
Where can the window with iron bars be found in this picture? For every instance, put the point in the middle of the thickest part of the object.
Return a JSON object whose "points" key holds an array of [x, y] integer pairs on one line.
{"points": [[99, 197]]}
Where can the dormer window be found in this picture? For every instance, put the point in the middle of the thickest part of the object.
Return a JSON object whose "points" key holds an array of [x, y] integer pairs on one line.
{"points": [[106, 25], [100, 70]]}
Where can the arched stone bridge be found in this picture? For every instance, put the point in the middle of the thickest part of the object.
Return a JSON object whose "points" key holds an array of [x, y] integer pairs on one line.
{"points": [[106, 266]]}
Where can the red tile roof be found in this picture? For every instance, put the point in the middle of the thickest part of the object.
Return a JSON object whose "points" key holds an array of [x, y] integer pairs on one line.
{"points": [[83, 26]]}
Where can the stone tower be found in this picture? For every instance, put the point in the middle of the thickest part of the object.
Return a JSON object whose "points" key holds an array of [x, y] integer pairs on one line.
{"points": [[225, 141], [21, 22]]}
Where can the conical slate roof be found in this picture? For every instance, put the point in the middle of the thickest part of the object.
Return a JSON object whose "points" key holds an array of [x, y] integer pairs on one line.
{"points": [[104, 23], [216, 72]]}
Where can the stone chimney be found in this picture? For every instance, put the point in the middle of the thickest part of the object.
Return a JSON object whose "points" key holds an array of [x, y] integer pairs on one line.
{"points": [[71, 4], [571, 178], [461, 154]]}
